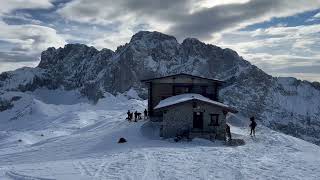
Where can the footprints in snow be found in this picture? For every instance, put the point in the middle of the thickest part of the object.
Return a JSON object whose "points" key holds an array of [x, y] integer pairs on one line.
{"points": [[146, 164]]}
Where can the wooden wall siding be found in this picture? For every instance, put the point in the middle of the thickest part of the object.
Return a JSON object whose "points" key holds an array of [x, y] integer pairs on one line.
{"points": [[150, 99], [182, 79], [160, 91], [180, 117], [163, 88]]}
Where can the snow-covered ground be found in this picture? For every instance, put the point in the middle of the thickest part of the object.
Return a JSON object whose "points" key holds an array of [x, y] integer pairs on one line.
{"points": [[78, 141]]}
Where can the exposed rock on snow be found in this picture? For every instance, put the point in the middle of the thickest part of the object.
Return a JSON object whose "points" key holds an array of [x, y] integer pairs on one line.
{"points": [[286, 104], [122, 140], [235, 142], [5, 105]]}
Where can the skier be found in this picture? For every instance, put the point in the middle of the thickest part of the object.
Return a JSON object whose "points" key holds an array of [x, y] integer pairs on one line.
{"points": [[253, 125], [228, 132], [145, 112]]}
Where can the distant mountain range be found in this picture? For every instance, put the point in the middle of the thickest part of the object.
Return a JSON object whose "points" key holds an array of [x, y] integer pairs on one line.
{"points": [[285, 104]]}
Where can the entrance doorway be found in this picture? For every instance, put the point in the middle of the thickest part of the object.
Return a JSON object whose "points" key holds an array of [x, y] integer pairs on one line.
{"points": [[198, 120]]}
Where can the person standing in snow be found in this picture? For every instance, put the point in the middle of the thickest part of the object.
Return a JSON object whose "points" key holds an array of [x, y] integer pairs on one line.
{"points": [[253, 125], [129, 115], [228, 132], [135, 116], [145, 113]]}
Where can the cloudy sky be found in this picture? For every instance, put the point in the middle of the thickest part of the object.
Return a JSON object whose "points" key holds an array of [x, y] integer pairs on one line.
{"points": [[281, 37]]}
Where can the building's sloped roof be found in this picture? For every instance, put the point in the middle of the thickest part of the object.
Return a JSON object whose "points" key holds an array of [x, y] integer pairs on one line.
{"points": [[189, 97], [182, 74]]}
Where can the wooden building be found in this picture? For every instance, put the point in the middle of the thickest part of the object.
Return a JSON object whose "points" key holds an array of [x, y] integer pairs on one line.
{"points": [[184, 102], [167, 86]]}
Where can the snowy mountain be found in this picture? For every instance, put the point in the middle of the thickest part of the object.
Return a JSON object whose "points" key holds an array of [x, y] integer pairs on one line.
{"points": [[78, 141], [284, 104]]}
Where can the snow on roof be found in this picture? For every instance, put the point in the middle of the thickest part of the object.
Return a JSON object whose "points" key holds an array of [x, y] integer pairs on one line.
{"points": [[187, 97]]}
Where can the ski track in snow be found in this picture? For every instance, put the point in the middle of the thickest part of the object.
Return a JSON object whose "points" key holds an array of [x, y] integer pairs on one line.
{"points": [[18, 176], [80, 142]]}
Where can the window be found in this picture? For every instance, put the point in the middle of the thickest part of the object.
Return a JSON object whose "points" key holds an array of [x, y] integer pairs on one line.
{"points": [[204, 90], [214, 121], [180, 89]]}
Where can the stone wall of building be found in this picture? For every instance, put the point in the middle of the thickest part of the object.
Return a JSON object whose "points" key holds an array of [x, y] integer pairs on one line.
{"points": [[176, 119], [179, 117]]}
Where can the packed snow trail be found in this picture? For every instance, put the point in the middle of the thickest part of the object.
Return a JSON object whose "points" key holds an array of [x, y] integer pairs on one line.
{"points": [[80, 142]]}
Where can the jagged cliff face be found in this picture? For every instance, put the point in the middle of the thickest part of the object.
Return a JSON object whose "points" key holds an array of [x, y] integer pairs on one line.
{"points": [[285, 104], [148, 54]]}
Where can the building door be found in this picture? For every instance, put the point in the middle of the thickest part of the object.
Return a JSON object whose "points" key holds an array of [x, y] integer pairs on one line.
{"points": [[198, 120]]}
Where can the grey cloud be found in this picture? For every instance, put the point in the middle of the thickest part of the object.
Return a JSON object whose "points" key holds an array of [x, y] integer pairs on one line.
{"points": [[30, 38], [108, 10], [7, 6], [17, 57], [201, 23], [314, 69]]}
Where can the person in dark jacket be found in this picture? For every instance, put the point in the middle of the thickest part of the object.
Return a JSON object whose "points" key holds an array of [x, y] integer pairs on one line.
{"points": [[228, 132], [129, 115], [253, 125], [145, 112], [135, 116]]}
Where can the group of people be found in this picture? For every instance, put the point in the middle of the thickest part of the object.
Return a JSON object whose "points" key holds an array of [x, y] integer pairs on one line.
{"points": [[252, 126], [137, 115]]}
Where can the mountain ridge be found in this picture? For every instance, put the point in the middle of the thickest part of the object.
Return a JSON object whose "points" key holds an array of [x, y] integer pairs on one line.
{"points": [[285, 104]]}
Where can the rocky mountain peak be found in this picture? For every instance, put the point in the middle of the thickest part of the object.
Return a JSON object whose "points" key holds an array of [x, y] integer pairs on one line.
{"points": [[276, 102], [149, 40], [154, 36], [53, 56], [193, 41]]}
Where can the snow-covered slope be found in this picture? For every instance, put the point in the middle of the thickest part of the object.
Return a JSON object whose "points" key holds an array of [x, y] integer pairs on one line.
{"points": [[79, 141], [284, 104]]}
